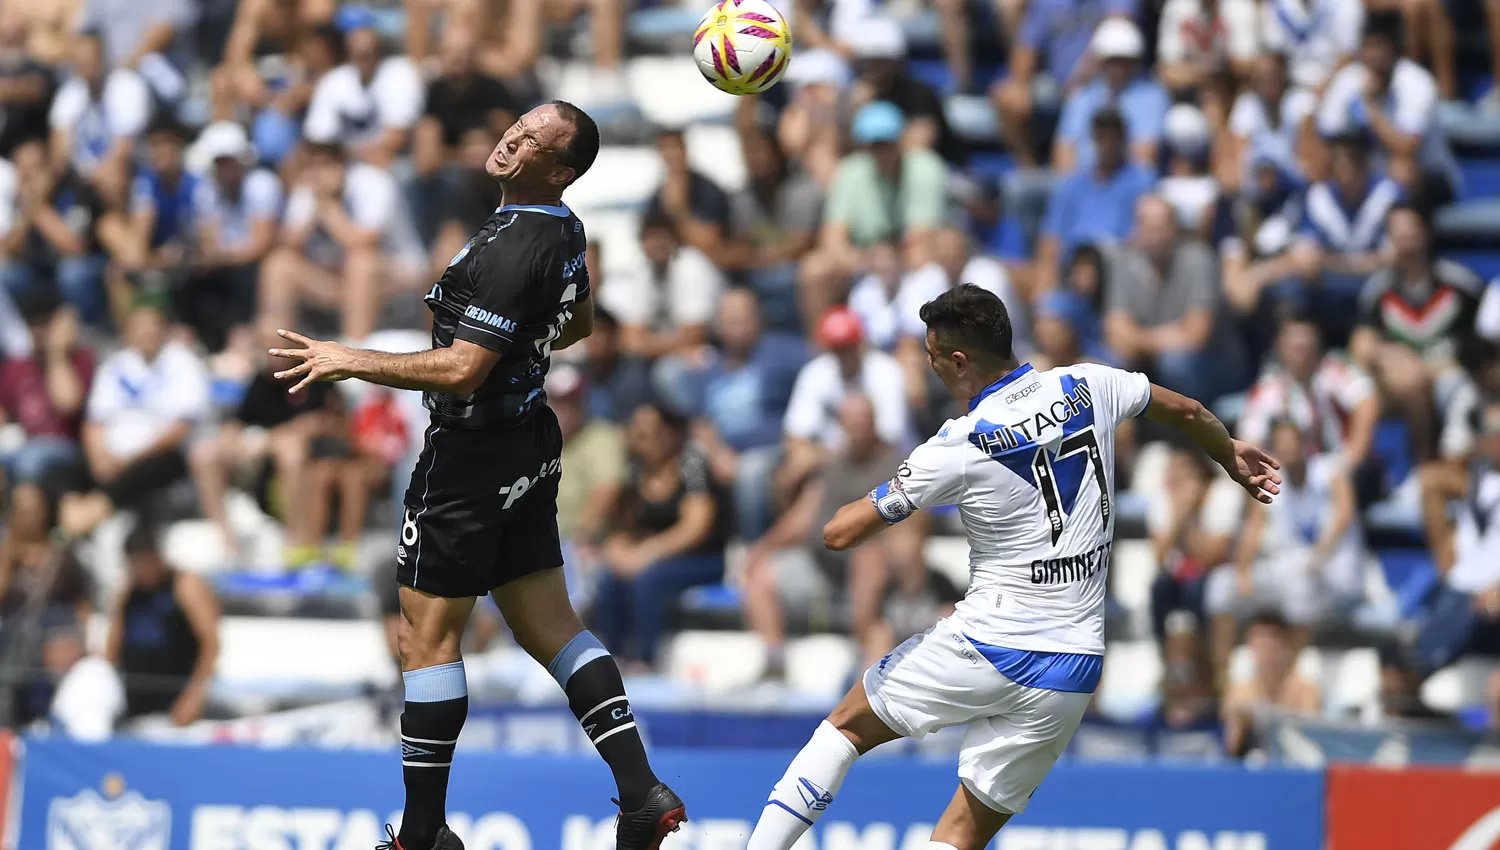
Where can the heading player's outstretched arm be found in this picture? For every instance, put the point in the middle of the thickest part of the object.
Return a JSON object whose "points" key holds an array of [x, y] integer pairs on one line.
{"points": [[854, 523], [459, 369], [1250, 467]]}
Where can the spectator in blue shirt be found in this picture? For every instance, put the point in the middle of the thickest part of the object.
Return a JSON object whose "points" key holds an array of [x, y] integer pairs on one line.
{"points": [[161, 204], [1094, 205], [1118, 48], [1054, 39], [738, 402]]}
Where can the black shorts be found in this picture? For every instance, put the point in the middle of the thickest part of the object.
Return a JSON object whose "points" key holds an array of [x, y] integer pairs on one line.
{"points": [[481, 509]]}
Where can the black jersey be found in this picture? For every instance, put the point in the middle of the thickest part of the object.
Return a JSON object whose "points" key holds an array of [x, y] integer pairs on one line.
{"points": [[511, 289]]}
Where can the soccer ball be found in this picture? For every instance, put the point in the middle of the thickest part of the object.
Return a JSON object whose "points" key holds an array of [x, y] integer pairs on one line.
{"points": [[742, 46]]}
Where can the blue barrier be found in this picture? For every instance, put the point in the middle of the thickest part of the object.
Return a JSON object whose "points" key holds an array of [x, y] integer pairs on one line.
{"points": [[136, 796]]}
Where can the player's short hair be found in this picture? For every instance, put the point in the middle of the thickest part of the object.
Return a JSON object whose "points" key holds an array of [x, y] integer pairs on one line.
{"points": [[583, 148], [970, 319]]}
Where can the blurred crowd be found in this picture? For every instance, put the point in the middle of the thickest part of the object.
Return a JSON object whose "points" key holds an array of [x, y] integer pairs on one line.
{"points": [[1235, 196]]}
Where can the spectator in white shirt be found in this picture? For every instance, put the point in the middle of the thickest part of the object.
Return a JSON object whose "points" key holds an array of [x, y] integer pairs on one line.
{"points": [[1270, 121], [847, 366], [1316, 36], [371, 103], [346, 241], [147, 38], [1197, 38], [96, 117], [145, 402], [237, 209], [1395, 101], [89, 698], [665, 304], [1428, 35]]}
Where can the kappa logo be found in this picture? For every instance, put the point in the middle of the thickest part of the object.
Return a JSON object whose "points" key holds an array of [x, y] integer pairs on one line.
{"points": [[813, 795], [523, 484], [88, 821], [1022, 393], [572, 266]]}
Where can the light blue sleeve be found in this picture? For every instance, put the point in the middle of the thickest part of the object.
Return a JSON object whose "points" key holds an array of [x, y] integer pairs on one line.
{"points": [[1060, 207], [1077, 110], [1146, 112]]}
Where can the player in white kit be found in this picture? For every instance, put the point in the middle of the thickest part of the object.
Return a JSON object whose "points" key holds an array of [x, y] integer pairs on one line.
{"points": [[1031, 469]]}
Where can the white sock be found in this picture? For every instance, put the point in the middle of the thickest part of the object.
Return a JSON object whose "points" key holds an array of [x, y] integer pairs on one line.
{"points": [[805, 790], [938, 845]]}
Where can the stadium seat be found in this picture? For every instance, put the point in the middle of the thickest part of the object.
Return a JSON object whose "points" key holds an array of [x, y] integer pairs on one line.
{"points": [[622, 177], [973, 118], [658, 84], [663, 25], [1459, 686], [1476, 220], [1351, 682], [1131, 684], [715, 149], [270, 658]]}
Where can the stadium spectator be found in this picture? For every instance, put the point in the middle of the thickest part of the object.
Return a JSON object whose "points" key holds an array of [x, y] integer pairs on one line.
{"points": [[370, 104], [43, 585], [163, 634], [1428, 37], [50, 28], [879, 194], [957, 17], [670, 529], [1273, 685], [145, 402], [774, 223], [1057, 33], [461, 99], [157, 235], [346, 241], [1462, 613], [96, 117], [1165, 312], [1317, 36], [44, 392], [1490, 103], [465, 196], [738, 402], [26, 85], [1416, 320], [697, 208], [1302, 556], [1197, 39], [1118, 49], [816, 84], [617, 382], [666, 302], [1066, 330], [1092, 206], [52, 232], [264, 33], [1187, 182], [346, 460], [236, 211], [88, 697], [269, 434], [594, 454], [277, 128], [1271, 121], [811, 429], [1393, 100], [861, 573], [1331, 401], [884, 308], [1191, 529], [880, 62], [150, 39], [521, 29]]}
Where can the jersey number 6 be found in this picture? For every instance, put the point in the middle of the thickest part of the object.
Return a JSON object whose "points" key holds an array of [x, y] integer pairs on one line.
{"points": [[1045, 467]]}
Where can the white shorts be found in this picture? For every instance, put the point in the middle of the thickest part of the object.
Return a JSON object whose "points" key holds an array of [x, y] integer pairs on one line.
{"points": [[939, 679]]}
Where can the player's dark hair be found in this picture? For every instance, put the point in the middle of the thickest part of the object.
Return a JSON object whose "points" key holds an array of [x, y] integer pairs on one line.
{"points": [[1383, 25], [970, 319], [168, 125], [1107, 119], [583, 148], [1270, 617]]}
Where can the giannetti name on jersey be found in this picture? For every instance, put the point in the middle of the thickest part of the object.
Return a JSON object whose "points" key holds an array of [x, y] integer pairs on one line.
{"points": [[1070, 569], [1006, 437], [494, 320]]}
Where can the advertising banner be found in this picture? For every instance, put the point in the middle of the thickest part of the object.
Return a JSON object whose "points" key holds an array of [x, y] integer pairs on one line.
{"points": [[138, 796], [1428, 808]]}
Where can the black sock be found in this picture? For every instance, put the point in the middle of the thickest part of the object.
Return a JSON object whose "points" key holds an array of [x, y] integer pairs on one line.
{"points": [[596, 693], [429, 733]]}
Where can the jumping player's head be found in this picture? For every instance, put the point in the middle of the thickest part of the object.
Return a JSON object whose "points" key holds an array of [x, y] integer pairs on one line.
{"points": [[968, 339], [544, 152]]}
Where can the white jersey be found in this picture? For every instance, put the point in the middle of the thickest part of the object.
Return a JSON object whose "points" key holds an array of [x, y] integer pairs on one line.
{"points": [[1031, 469]]}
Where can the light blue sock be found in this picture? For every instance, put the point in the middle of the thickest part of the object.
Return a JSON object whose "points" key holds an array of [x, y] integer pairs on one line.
{"points": [[578, 652]]}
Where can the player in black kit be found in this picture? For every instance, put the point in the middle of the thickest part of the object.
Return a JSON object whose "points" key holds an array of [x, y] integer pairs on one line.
{"points": [[481, 510]]}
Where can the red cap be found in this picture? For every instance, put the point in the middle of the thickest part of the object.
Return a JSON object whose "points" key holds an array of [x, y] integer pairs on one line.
{"points": [[840, 328]]}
